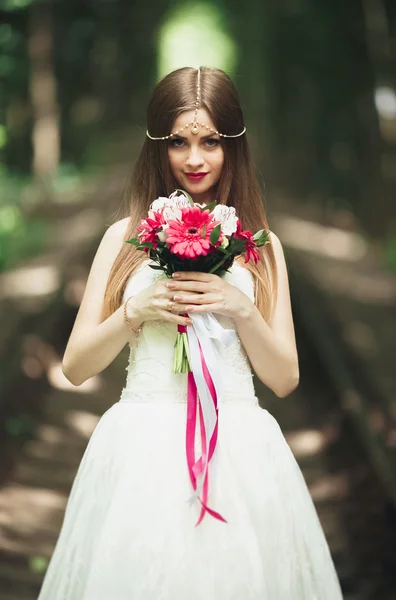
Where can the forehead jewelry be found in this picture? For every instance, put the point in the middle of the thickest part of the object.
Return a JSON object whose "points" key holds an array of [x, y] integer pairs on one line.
{"points": [[195, 125]]}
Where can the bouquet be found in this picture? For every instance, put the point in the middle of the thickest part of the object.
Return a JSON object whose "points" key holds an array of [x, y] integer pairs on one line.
{"points": [[180, 235]]}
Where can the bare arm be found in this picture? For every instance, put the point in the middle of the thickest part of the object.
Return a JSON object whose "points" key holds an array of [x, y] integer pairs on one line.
{"points": [[271, 347], [92, 345], [274, 360]]}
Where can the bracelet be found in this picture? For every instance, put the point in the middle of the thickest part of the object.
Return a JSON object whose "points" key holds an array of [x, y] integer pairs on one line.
{"points": [[128, 321]]}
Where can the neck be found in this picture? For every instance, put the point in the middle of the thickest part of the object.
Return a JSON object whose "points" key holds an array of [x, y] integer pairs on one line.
{"points": [[204, 198]]}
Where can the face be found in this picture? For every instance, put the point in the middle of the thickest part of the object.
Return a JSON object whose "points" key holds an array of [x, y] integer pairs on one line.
{"points": [[191, 154]]}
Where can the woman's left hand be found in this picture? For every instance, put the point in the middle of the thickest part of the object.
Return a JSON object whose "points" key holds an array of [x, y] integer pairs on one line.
{"points": [[204, 292]]}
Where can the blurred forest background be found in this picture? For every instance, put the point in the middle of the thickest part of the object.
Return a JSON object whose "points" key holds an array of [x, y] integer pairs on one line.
{"points": [[317, 81]]}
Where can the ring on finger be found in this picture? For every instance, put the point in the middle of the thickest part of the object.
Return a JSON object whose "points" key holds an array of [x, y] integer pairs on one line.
{"points": [[170, 305]]}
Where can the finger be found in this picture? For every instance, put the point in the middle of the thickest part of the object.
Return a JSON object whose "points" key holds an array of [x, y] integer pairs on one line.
{"points": [[170, 306], [215, 307], [194, 275], [178, 308], [168, 316], [186, 294], [196, 298], [168, 294], [193, 286], [162, 291]]}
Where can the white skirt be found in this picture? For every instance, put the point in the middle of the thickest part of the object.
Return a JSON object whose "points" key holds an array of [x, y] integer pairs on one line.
{"points": [[129, 531]]}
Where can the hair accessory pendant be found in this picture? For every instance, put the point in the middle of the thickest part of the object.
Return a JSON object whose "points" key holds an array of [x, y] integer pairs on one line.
{"points": [[195, 124]]}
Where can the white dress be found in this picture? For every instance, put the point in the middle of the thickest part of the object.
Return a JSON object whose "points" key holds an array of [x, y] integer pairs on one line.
{"points": [[129, 532]]}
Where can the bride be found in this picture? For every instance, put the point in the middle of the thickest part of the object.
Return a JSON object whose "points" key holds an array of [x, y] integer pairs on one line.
{"points": [[129, 532]]}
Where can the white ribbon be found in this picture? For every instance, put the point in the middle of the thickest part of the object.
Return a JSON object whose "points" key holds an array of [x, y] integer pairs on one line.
{"points": [[206, 329]]}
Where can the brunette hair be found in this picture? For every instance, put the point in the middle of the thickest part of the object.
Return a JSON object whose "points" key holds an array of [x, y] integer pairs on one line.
{"points": [[152, 177]]}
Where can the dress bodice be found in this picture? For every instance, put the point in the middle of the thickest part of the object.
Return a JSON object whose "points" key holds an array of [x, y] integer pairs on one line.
{"points": [[150, 374]]}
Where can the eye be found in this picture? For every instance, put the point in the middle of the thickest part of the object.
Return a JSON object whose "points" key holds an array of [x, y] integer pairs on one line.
{"points": [[176, 143], [212, 142]]}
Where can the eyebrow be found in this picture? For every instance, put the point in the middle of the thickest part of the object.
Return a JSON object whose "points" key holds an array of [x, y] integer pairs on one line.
{"points": [[204, 137]]}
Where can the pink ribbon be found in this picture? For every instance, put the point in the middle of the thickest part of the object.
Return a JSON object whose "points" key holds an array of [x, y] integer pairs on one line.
{"points": [[201, 466]]}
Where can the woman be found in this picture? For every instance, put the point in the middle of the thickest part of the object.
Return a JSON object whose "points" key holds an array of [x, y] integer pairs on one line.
{"points": [[128, 531]]}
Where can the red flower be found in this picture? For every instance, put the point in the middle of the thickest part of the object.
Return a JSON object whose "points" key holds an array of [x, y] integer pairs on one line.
{"points": [[190, 236], [250, 245], [148, 229]]}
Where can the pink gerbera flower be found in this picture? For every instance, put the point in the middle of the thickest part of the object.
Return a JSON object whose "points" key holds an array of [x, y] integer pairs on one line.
{"points": [[189, 237], [148, 228], [250, 245]]}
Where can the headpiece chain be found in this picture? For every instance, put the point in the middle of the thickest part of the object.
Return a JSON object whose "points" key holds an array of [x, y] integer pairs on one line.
{"points": [[194, 123]]}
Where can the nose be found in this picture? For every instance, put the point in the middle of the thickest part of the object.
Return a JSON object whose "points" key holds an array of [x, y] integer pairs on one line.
{"points": [[194, 158]]}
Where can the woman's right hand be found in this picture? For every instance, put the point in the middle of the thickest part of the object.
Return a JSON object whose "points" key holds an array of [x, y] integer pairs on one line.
{"points": [[151, 304]]}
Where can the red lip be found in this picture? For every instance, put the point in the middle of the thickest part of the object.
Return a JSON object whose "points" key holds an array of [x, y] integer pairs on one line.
{"points": [[195, 176]]}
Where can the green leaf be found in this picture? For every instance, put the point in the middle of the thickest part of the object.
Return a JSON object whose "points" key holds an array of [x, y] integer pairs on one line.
{"points": [[203, 232], [187, 350], [210, 206], [263, 240], [145, 245], [156, 267], [214, 236], [258, 234], [187, 195], [134, 241]]}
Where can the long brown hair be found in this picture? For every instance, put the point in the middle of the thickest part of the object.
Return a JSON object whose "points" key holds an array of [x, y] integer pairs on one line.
{"points": [[152, 177]]}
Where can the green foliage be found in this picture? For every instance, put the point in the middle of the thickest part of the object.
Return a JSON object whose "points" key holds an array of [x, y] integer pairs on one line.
{"points": [[12, 5], [210, 207], [38, 564], [20, 236], [261, 238], [303, 70], [3, 136], [21, 427], [215, 234], [201, 30], [390, 253]]}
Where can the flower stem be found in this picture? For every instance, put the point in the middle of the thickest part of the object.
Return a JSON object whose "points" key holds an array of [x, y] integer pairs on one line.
{"points": [[181, 359], [221, 262]]}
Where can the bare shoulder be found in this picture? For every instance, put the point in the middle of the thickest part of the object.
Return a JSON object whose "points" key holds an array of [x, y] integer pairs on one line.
{"points": [[279, 253], [89, 313], [276, 243], [282, 318], [118, 229], [114, 236]]}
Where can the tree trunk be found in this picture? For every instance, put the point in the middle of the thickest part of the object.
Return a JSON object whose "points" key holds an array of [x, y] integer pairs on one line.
{"points": [[45, 130], [379, 208]]}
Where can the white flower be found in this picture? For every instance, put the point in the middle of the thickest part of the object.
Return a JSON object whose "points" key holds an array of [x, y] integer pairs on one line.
{"points": [[227, 217], [170, 213], [181, 201], [182, 197], [170, 207], [159, 204]]}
